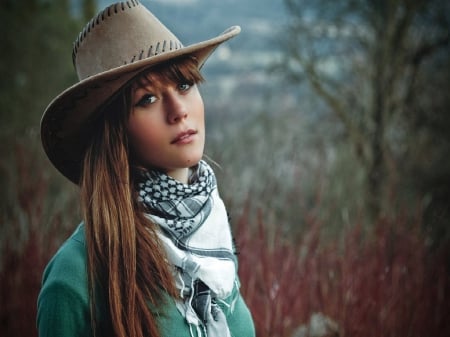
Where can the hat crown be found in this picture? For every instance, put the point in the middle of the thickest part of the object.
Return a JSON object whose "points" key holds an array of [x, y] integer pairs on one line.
{"points": [[105, 44]]}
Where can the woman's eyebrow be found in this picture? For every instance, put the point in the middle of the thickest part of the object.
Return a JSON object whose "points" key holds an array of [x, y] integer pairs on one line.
{"points": [[143, 86], [151, 84]]}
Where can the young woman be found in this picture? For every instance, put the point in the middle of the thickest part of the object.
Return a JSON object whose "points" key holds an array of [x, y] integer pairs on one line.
{"points": [[154, 254]]}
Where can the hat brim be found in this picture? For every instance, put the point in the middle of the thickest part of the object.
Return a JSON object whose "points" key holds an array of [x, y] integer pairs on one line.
{"points": [[65, 121]]}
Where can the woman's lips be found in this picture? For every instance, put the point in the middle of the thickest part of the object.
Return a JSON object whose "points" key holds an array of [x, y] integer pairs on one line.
{"points": [[184, 137]]}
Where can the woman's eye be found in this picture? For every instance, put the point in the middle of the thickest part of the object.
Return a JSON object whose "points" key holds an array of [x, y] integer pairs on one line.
{"points": [[184, 86], [146, 100]]}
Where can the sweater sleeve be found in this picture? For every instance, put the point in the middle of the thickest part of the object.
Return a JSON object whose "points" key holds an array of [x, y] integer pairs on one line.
{"points": [[63, 304]]}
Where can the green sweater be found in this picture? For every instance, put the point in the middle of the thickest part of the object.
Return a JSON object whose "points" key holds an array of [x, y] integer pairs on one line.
{"points": [[63, 303]]}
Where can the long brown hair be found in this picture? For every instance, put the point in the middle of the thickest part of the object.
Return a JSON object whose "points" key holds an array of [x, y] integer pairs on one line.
{"points": [[127, 267]]}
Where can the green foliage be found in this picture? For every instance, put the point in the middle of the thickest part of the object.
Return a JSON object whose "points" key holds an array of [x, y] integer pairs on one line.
{"points": [[36, 59], [89, 9]]}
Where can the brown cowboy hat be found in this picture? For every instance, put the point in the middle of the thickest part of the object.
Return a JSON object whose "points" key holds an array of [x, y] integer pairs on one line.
{"points": [[117, 44]]}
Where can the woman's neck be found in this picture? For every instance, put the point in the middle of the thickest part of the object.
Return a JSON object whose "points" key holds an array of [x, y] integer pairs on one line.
{"points": [[182, 175]]}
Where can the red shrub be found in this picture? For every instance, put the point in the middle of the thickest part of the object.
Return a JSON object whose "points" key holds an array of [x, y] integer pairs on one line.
{"points": [[384, 283], [29, 237]]}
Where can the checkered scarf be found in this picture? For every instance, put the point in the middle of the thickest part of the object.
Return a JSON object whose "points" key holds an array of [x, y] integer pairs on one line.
{"points": [[178, 208], [196, 236]]}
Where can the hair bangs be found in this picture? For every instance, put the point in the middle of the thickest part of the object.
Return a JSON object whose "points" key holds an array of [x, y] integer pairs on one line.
{"points": [[182, 70]]}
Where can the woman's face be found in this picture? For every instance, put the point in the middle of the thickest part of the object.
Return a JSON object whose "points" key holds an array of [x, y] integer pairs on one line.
{"points": [[166, 126]]}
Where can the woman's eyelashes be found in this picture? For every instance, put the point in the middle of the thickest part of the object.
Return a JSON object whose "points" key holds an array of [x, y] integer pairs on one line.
{"points": [[145, 100]]}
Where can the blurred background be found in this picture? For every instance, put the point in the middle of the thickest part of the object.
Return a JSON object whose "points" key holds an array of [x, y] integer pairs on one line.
{"points": [[329, 122]]}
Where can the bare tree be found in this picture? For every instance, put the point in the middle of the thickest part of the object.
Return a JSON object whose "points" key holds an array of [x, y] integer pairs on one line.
{"points": [[364, 58]]}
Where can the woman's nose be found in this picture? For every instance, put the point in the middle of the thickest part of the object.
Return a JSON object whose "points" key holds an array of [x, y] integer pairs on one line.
{"points": [[176, 108]]}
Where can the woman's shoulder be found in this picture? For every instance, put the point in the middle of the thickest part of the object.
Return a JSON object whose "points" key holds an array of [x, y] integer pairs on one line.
{"points": [[67, 269], [69, 262], [63, 303]]}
